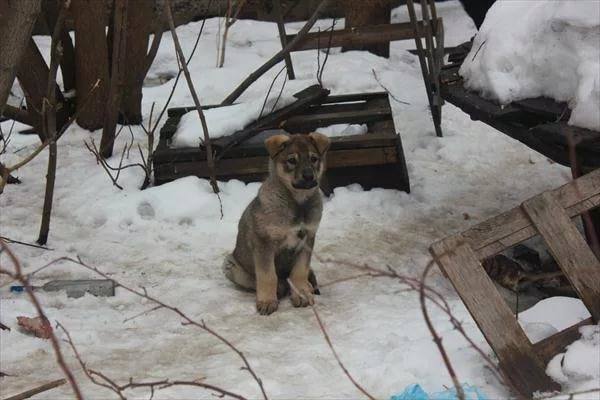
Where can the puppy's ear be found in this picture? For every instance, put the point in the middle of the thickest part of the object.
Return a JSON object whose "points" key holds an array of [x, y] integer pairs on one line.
{"points": [[320, 141], [276, 143]]}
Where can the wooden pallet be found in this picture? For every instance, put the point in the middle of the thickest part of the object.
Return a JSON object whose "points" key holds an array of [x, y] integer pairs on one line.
{"points": [[549, 215], [375, 159], [539, 123]]}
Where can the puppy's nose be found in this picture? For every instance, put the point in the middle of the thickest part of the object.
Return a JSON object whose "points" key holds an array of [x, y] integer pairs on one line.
{"points": [[308, 175]]}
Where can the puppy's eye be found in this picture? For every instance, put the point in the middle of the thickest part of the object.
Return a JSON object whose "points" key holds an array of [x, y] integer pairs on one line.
{"points": [[314, 159], [292, 160]]}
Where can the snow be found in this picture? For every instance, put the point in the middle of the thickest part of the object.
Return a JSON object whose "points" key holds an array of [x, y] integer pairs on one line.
{"points": [[549, 48], [338, 130], [578, 369], [223, 121], [171, 240]]}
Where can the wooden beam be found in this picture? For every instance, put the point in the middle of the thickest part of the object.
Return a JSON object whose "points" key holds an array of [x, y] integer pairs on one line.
{"points": [[364, 35], [492, 315], [507, 229], [547, 348], [568, 247]]}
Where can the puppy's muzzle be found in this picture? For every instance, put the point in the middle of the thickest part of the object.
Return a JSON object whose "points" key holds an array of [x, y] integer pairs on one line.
{"points": [[308, 180]]}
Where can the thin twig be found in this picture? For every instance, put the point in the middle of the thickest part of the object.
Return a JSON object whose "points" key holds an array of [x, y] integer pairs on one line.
{"points": [[210, 161]]}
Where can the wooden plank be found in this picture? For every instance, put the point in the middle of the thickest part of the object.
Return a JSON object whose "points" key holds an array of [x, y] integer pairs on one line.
{"points": [[363, 35], [382, 138], [305, 98], [504, 225], [256, 165], [568, 247], [547, 348], [530, 231], [299, 122], [492, 315]]}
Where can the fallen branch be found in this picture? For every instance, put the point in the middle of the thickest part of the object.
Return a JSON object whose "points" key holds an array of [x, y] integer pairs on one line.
{"points": [[237, 92], [40, 389]]}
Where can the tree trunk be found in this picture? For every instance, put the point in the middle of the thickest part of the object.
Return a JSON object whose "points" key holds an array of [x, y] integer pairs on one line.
{"points": [[368, 12], [119, 43], [91, 62], [140, 24], [17, 18], [33, 77]]}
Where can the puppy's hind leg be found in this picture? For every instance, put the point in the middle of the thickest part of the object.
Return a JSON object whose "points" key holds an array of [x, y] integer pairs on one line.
{"points": [[266, 281]]}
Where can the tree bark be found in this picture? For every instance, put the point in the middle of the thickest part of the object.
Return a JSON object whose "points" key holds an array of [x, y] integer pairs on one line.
{"points": [[141, 22], [368, 12], [17, 18], [119, 43], [91, 61], [33, 77]]}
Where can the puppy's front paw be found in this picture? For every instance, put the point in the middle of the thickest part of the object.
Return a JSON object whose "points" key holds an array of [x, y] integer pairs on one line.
{"points": [[302, 295], [266, 307]]}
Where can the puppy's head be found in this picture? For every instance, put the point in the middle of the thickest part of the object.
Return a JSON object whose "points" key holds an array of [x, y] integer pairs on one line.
{"points": [[298, 160]]}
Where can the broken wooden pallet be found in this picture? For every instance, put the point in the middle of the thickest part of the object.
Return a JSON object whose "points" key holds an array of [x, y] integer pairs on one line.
{"points": [[374, 159], [549, 215], [539, 123]]}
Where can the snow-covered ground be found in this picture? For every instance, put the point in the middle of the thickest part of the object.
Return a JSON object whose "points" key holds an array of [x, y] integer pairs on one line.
{"points": [[171, 240]]}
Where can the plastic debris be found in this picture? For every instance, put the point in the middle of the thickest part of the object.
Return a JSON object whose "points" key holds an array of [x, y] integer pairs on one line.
{"points": [[76, 287], [416, 392]]}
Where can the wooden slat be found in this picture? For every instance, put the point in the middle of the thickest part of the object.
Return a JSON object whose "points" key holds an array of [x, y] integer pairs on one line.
{"points": [[364, 35], [546, 349], [383, 138], [492, 315], [347, 117], [506, 227], [256, 165], [568, 247], [530, 231]]}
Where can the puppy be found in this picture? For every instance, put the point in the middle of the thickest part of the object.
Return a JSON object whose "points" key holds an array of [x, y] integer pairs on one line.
{"points": [[277, 230]]}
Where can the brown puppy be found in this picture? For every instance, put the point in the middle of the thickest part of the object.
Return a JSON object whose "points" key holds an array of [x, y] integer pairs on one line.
{"points": [[277, 230]]}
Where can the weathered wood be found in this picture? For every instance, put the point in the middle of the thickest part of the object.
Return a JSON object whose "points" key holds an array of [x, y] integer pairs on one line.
{"points": [[492, 315], [237, 92], [278, 14], [257, 148], [547, 348], [307, 97], [568, 247], [364, 35], [309, 122], [514, 226], [360, 13], [17, 19], [255, 165]]}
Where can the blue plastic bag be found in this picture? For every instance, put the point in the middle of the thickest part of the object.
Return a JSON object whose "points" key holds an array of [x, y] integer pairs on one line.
{"points": [[416, 392]]}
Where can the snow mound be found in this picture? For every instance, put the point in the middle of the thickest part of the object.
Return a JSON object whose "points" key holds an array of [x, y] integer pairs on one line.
{"points": [[223, 121], [338, 130], [552, 315], [579, 367], [528, 49]]}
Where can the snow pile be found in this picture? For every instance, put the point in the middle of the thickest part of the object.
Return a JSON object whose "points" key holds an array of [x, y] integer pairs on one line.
{"points": [[552, 315], [223, 121], [578, 369], [527, 49], [338, 130]]}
